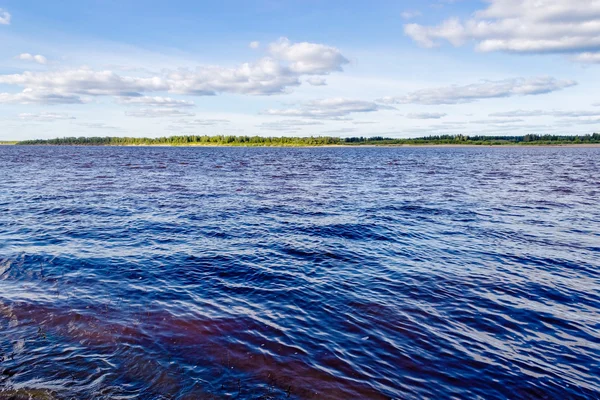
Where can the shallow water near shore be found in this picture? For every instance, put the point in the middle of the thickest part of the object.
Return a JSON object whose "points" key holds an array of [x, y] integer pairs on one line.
{"points": [[304, 273]]}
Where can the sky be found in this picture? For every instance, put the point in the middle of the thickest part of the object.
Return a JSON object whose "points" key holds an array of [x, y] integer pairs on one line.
{"points": [[298, 67]]}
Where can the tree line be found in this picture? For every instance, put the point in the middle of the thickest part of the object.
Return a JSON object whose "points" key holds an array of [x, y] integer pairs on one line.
{"points": [[227, 140]]}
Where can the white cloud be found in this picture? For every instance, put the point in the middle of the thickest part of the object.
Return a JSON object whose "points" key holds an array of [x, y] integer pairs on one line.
{"points": [[29, 96], [340, 131], [288, 125], [269, 75], [434, 129], [484, 90], [99, 125], [155, 101], [34, 58], [574, 114], [426, 115], [335, 108], [588, 58], [158, 113], [191, 125], [410, 14], [497, 121], [4, 17], [201, 122], [265, 77], [572, 122], [518, 113], [488, 129], [553, 113], [254, 45], [85, 81], [308, 58], [523, 26], [44, 117], [316, 81]]}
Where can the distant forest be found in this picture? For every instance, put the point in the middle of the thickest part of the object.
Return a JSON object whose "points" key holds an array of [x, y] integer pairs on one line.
{"points": [[223, 140]]}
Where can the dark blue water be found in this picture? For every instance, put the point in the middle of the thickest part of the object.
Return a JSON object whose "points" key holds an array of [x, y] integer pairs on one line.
{"points": [[325, 273]]}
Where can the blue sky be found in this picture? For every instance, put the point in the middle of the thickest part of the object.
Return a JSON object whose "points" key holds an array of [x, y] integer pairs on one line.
{"points": [[298, 68]]}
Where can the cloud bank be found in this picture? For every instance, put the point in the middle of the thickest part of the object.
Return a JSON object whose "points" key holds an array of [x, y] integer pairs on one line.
{"points": [[523, 26], [276, 73], [456, 94], [334, 108]]}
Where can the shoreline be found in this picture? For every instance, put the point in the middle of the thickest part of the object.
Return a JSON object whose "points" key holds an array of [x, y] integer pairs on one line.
{"points": [[582, 145]]}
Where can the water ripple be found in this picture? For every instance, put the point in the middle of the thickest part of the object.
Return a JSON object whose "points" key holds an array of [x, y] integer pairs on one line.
{"points": [[204, 273]]}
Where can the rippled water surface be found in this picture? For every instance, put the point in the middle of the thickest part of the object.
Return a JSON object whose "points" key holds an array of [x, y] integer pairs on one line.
{"points": [[318, 273]]}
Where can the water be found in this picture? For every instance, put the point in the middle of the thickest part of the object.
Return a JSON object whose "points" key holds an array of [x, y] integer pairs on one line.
{"points": [[338, 273]]}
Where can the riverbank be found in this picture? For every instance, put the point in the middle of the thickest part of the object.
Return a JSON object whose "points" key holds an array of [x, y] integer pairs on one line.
{"points": [[324, 141], [528, 145]]}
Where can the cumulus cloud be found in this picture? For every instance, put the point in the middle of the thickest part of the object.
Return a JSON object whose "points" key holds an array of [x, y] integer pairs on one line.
{"points": [[335, 108], [156, 101], [523, 26], [85, 82], [316, 81], [456, 94], [4, 17], [254, 45], [158, 113], [308, 58], [34, 58], [426, 115], [265, 77], [275, 74], [44, 117], [552, 113]]}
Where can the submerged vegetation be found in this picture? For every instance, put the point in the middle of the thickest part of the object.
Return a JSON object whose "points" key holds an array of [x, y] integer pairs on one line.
{"points": [[223, 140], [26, 394]]}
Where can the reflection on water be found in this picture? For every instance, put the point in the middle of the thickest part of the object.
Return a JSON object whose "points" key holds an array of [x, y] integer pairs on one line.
{"points": [[299, 273]]}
